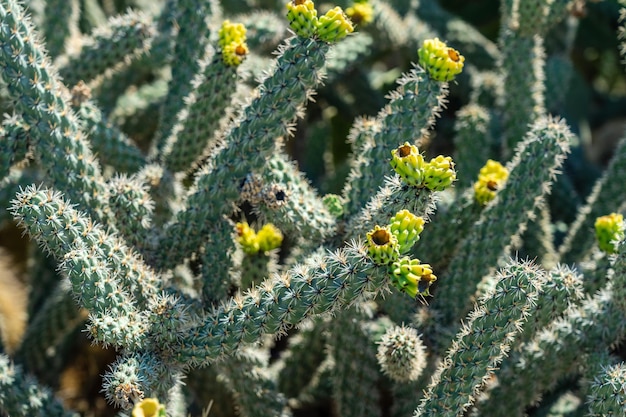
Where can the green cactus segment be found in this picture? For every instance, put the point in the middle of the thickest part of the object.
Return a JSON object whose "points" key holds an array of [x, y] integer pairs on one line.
{"points": [[609, 231], [472, 142], [14, 143], [109, 48], [264, 29], [466, 368], [246, 369], [43, 103], [409, 115], [411, 276], [522, 63], [382, 245], [247, 146], [532, 170], [440, 61], [256, 268], [322, 285], [21, 396], [354, 353], [402, 354], [286, 199], [59, 229], [191, 41], [607, 393], [407, 227], [539, 16], [220, 262], [111, 145], [60, 24], [348, 54], [132, 210], [606, 197], [302, 17]]}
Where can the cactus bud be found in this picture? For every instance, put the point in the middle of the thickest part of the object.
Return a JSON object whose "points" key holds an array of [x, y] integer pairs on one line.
{"points": [[269, 238], [491, 178], [334, 25], [382, 245], [302, 17], [407, 228], [409, 164], [401, 354], [149, 407], [234, 53], [411, 277], [333, 204], [609, 231], [439, 173], [360, 13], [232, 41], [247, 238], [441, 62]]}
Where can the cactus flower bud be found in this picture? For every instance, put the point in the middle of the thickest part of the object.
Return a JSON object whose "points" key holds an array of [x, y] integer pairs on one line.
{"points": [[333, 204], [382, 245], [334, 25], [407, 228], [247, 238], [302, 17], [411, 277], [234, 53], [231, 32], [491, 178], [361, 13], [409, 164], [441, 62], [609, 231], [269, 237], [149, 407], [439, 173]]}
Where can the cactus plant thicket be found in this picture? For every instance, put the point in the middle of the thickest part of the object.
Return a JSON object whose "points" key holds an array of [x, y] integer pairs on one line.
{"points": [[289, 208]]}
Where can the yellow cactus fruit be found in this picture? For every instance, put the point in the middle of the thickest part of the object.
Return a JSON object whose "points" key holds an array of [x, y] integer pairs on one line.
{"points": [[361, 13], [234, 53], [382, 245], [609, 231], [439, 173], [232, 42], [409, 164], [410, 276], [247, 238], [334, 25], [442, 62], [149, 407], [407, 228], [491, 178], [269, 237], [302, 17]]}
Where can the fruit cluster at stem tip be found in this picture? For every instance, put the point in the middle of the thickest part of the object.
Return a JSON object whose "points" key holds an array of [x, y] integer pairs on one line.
{"points": [[609, 231], [440, 61], [387, 244], [232, 42], [409, 164], [266, 239], [149, 407], [361, 13], [491, 178], [331, 27]]}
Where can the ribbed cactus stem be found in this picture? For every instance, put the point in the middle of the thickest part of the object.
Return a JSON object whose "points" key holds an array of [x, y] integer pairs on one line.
{"points": [[532, 171], [322, 285], [43, 102], [469, 363], [248, 143]]}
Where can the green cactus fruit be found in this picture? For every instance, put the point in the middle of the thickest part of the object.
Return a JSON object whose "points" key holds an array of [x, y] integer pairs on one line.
{"points": [[439, 173], [409, 164], [302, 17], [491, 178], [407, 227], [412, 277], [442, 62], [334, 26], [382, 245], [609, 230], [334, 204]]}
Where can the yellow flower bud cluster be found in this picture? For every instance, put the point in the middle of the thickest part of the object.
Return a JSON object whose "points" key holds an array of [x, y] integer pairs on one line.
{"points": [[266, 239], [436, 175], [386, 244], [361, 13], [303, 20], [149, 407], [491, 178], [609, 231], [232, 42], [442, 62]]}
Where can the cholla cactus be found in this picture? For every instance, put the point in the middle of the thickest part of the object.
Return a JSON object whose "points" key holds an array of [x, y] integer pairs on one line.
{"points": [[132, 142]]}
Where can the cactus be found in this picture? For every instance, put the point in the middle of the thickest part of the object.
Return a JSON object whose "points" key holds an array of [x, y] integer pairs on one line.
{"points": [[289, 208]]}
